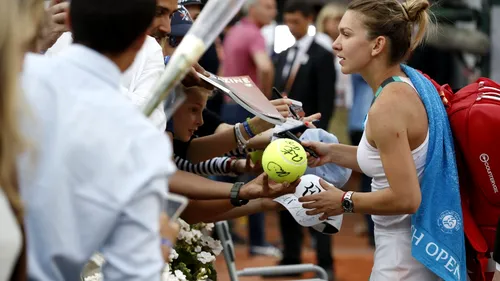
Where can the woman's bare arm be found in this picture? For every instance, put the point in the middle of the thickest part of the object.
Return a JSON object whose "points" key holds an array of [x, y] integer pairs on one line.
{"points": [[219, 210]]}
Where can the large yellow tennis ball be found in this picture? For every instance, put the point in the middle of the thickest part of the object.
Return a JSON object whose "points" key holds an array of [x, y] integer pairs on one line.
{"points": [[284, 160]]}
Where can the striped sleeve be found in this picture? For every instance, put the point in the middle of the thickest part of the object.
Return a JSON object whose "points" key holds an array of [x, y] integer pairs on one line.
{"points": [[217, 166], [239, 153]]}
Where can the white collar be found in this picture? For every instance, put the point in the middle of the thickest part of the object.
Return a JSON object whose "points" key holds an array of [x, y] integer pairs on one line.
{"points": [[304, 42]]}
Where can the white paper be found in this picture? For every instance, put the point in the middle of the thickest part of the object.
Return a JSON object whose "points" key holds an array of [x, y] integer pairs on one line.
{"points": [[292, 204]]}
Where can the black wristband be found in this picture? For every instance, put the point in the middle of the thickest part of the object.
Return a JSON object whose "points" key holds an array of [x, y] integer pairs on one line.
{"points": [[235, 190]]}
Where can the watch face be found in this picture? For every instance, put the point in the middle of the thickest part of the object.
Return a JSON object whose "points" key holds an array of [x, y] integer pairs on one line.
{"points": [[347, 204]]}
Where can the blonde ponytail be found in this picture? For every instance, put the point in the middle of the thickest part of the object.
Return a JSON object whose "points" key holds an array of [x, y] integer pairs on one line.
{"points": [[419, 17]]}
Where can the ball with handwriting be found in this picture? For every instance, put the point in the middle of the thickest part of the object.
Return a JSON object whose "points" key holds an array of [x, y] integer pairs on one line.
{"points": [[284, 160]]}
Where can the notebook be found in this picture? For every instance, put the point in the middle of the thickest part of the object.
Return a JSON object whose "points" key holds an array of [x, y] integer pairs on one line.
{"points": [[245, 93]]}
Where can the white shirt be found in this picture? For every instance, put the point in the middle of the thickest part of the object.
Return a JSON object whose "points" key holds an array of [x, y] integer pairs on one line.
{"points": [[138, 80], [301, 46], [98, 178], [10, 239]]}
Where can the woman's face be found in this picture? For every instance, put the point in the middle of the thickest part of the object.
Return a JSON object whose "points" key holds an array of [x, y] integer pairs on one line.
{"points": [[188, 117], [352, 45]]}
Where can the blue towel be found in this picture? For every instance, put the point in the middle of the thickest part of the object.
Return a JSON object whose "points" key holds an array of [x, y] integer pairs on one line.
{"points": [[437, 226]]}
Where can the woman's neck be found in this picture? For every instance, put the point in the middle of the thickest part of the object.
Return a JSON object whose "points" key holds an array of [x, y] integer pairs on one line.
{"points": [[376, 73]]}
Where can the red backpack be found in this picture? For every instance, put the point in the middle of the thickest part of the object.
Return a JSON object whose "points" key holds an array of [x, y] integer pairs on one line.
{"points": [[474, 115]]}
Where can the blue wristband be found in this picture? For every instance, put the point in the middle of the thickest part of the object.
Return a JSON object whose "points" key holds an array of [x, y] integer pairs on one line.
{"points": [[167, 242], [248, 130]]}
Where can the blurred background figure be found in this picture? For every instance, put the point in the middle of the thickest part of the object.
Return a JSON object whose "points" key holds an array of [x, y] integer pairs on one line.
{"points": [[327, 24], [305, 71], [245, 47]]}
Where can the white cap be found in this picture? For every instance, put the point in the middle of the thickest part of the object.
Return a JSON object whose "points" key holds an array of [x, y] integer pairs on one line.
{"points": [[309, 184]]}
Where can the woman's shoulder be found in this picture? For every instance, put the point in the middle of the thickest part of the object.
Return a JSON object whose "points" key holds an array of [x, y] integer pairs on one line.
{"points": [[397, 108], [398, 98]]}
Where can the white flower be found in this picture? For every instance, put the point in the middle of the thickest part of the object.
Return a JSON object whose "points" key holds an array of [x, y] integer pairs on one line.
{"points": [[94, 277], [205, 240], [196, 234], [171, 277], [217, 247], [203, 272], [197, 249], [173, 255], [167, 275], [98, 259], [186, 236], [205, 257], [209, 226], [180, 275], [184, 225], [182, 234], [213, 244]]}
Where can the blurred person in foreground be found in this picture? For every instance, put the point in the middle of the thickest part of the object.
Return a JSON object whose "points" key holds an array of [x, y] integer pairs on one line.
{"points": [[98, 181], [20, 28], [138, 80]]}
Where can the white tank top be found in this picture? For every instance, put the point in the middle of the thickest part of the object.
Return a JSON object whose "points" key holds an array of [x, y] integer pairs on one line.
{"points": [[369, 161]]}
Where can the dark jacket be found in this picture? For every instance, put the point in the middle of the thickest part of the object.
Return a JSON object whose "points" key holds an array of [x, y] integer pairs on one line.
{"points": [[314, 83]]}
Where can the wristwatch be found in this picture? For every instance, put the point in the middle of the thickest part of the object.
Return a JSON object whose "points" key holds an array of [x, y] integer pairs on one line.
{"points": [[347, 203], [235, 191]]}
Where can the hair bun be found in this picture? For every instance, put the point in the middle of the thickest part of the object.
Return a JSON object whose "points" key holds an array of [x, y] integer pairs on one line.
{"points": [[415, 9]]}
